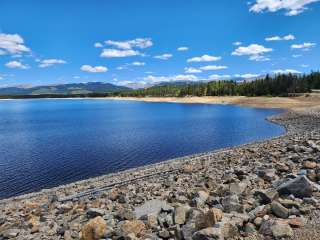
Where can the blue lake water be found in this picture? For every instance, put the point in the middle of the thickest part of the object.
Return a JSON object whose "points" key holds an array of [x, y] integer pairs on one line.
{"points": [[45, 143]]}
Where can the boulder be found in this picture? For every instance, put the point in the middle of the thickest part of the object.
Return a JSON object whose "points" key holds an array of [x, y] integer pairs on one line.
{"points": [[309, 164], [210, 233], [266, 196], [267, 174], [95, 212], [300, 187], [124, 214], [180, 214], [200, 198], [213, 216], [281, 230], [152, 207], [135, 227], [95, 229], [231, 203], [279, 210]]}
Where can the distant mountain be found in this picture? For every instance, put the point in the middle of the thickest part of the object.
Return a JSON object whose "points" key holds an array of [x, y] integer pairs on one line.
{"points": [[72, 88]]}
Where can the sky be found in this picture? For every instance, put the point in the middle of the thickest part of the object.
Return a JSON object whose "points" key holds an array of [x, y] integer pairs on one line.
{"points": [[146, 41]]}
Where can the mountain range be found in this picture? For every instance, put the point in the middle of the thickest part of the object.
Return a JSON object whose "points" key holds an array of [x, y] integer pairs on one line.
{"points": [[72, 88]]}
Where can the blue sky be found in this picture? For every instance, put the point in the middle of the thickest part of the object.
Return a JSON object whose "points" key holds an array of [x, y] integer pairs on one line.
{"points": [[145, 41]]}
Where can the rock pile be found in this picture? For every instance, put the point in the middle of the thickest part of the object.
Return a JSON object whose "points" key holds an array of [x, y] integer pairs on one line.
{"points": [[264, 190]]}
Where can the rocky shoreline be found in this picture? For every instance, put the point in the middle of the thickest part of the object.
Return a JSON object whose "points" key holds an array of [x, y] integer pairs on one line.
{"points": [[263, 190]]}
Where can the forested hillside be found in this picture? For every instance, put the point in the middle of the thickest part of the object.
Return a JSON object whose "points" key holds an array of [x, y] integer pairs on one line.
{"points": [[279, 85]]}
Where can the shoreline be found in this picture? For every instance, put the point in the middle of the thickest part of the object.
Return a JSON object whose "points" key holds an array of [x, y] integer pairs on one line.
{"points": [[286, 103], [132, 188]]}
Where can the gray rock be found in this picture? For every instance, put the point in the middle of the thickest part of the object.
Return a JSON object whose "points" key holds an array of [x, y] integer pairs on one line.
{"points": [[279, 210], [231, 203], [193, 224], [237, 188], [152, 207], [200, 198], [267, 174], [95, 212], [266, 196], [281, 230], [210, 233], [124, 214], [300, 187]]}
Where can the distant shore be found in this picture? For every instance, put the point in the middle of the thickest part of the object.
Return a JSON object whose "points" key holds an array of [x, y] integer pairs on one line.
{"points": [[296, 103], [290, 103]]}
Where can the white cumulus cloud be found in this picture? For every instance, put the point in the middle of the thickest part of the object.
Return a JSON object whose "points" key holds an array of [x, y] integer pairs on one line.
{"points": [[98, 45], [164, 56], [129, 44], [173, 78], [204, 58], [116, 53], [237, 43], [213, 68], [12, 44], [292, 7], [181, 49], [50, 62], [278, 38], [254, 51], [16, 64], [303, 46], [192, 70], [138, 63], [96, 69]]}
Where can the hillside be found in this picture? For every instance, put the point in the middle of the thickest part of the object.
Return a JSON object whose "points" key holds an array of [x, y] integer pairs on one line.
{"points": [[67, 89]]}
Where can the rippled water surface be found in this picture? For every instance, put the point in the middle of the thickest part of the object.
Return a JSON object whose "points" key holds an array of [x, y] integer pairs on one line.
{"points": [[45, 143]]}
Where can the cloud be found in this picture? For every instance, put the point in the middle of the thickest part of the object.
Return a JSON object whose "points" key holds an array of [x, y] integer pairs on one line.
{"points": [[98, 45], [50, 62], [181, 49], [192, 70], [254, 51], [292, 7], [304, 65], [173, 78], [296, 55], [204, 58], [138, 63], [219, 77], [97, 69], [129, 44], [284, 38], [164, 56], [12, 44], [304, 46], [16, 64], [237, 43], [213, 68], [286, 71], [115, 53], [259, 58]]}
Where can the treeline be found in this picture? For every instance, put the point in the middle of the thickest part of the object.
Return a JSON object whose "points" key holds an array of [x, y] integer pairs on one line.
{"points": [[279, 85]]}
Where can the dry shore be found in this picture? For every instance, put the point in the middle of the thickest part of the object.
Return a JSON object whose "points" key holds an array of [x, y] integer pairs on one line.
{"points": [[262, 190], [296, 103]]}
